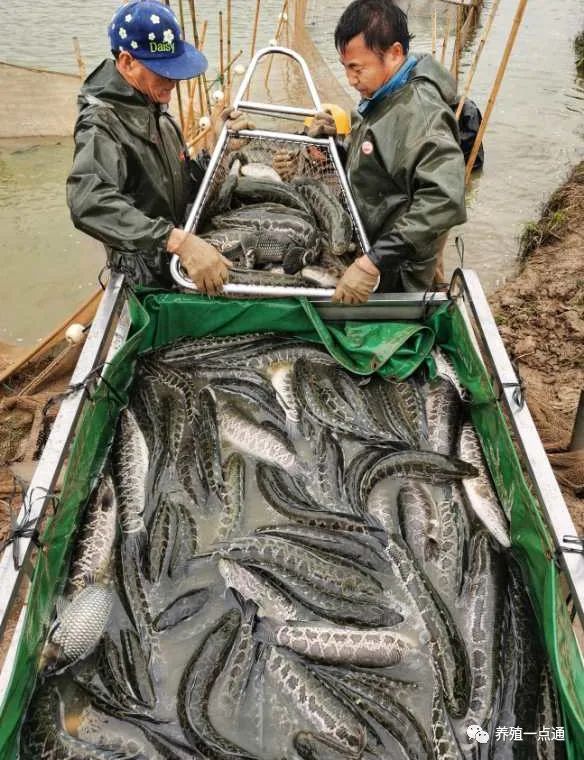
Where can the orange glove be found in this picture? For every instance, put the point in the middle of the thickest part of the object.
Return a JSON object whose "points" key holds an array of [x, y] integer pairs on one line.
{"points": [[356, 284]]}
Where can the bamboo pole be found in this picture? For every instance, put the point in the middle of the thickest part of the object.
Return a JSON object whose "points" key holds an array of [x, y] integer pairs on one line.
{"points": [[181, 12], [178, 93], [80, 61], [434, 31], [255, 29], [446, 35], [281, 21], [228, 88], [496, 86], [457, 49], [221, 52], [477, 55], [203, 34], [202, 80]]}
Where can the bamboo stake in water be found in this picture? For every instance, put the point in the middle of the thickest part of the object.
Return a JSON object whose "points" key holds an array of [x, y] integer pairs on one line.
{"points": [[477, 55], [178, 94], [255, 28], [204, 101], [434, 31], [281, 22], [221, 54], [496, 86], [457, 48], [181, 12], [80, 61], [446, 35], [228, 88]]}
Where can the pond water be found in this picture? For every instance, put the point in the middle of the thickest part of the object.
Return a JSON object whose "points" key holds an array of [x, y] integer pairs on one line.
{"points": [[536, 133]]}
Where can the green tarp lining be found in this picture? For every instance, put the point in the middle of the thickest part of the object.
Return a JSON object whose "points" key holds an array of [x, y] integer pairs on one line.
{"points": [[395, 349]]}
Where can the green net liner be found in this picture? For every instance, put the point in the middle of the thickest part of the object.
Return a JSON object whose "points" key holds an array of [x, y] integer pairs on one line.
{"points": [[393, 349]]}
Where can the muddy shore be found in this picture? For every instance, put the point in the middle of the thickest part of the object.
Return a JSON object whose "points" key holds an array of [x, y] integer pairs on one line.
{"points": [[540, 314]]}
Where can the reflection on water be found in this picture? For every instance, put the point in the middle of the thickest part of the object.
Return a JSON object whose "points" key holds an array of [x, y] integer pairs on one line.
{"points": [[535, 134]]}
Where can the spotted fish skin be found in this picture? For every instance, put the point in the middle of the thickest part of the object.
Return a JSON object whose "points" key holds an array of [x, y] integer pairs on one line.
{"points": [[446, 644], [479, 491], [93, 549], [333, 644], [44, 738], [424, 465], [443, 412], [317, 747], [234, 495], [326, 571], [480, 607], [78, 628], [419, 522], [195, 687], [331, 216], [317, 705], [260, 441], [250, 585], [130, 460], [378, 708]]}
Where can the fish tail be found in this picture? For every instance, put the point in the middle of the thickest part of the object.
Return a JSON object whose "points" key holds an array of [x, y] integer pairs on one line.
{"points": [[265, 631]]}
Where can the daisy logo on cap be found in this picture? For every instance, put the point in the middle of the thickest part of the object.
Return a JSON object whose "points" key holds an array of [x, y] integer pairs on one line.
{"points": [[150, 32]]}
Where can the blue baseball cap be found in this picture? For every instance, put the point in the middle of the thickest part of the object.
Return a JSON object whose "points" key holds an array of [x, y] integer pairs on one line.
{"points": [[150, 32]]}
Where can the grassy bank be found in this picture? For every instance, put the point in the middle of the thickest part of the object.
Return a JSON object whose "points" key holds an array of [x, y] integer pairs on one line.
{"points": [[540, 314]]}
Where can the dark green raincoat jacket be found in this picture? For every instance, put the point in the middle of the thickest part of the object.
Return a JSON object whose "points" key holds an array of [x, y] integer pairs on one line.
{"points": [[130, 182], [406, 172]]}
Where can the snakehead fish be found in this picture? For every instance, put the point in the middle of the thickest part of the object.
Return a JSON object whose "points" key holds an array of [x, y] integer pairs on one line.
{"points": [[259, 440], [43, 736], [317, 747], [444, 415], [251, 190], [233, 499], [315, 702], [209, 447], [287, 497], [479, 491], [480, 608], [396, 730], [327, 572], [359, 548], [420, 522], [446, 644], [327, 643], [252, 586], [195, 687], [519, 687], [330, 214], [182, 608], [419, 465], [93, 548], [130, 461], [78, 627], [401, 407]]}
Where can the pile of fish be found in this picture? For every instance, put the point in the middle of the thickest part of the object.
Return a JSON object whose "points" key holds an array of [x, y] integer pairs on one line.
{"points": [[295, 233], [283, 560]]}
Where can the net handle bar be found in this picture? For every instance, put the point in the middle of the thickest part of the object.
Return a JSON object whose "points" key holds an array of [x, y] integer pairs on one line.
{"points": [[251, 105]]}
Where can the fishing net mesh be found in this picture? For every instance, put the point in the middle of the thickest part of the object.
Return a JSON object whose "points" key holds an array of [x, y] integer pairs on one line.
{"points": [[162, 318]]}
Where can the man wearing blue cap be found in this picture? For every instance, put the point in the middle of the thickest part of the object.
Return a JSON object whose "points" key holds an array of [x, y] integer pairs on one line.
{"points": [[132, 178]]}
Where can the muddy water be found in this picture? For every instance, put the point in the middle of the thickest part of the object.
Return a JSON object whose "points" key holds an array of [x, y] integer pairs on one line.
{"points": [[536, 132]]}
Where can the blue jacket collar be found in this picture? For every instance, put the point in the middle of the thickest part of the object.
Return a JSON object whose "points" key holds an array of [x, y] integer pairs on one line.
{"points": [[395, 83]]}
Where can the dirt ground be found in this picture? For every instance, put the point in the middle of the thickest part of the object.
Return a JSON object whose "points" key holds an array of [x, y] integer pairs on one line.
{"points": [[540, 314]]}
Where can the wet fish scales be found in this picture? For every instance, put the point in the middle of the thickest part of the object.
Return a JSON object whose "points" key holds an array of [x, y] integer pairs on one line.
{"points": [[424, 465], [93, 548], [315, 702], [181, 609], [195, 687], [331, 216], [330, 644], [44, 738]]}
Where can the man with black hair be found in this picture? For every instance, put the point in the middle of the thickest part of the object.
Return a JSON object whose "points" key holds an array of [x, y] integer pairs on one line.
{"points": [[403, 160]]}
